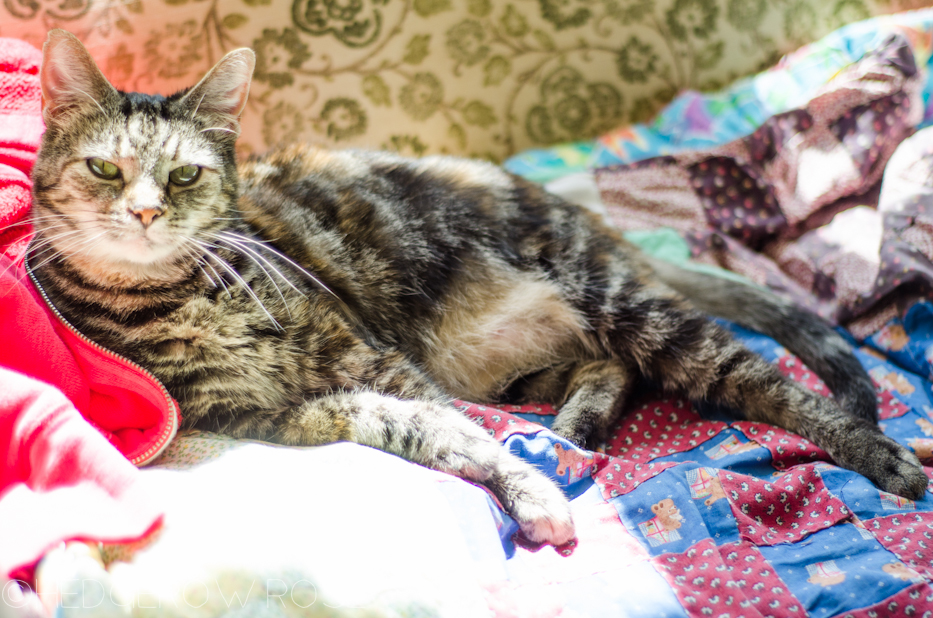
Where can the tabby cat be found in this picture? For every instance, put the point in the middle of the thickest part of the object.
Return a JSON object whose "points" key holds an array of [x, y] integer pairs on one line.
{"points": [[309, 296]]}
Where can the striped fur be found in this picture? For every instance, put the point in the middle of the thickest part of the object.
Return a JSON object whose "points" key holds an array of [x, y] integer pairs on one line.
{"points": [[311, 296]]}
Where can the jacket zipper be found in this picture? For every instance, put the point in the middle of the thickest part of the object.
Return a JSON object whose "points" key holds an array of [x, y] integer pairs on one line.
{"points": [[168, 433]]}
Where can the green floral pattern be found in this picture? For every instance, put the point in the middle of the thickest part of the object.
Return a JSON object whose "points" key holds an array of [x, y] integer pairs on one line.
{"points": [[474, 77], [278, 55], [571, 107]]}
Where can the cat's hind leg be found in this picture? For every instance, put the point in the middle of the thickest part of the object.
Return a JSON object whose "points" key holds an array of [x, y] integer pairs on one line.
{"points": [[437, 436], [681, 349], [588, 394]]}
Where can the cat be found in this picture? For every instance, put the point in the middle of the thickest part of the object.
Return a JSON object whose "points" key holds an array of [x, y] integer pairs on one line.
{"points": [[308, 296]]}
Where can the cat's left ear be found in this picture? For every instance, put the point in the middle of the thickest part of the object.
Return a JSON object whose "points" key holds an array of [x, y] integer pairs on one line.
{"points": [[220, 96]]}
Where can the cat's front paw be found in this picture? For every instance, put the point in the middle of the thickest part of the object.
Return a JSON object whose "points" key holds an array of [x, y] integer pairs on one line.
{"points": [[536, 504], [545, 518], [887, 464]]}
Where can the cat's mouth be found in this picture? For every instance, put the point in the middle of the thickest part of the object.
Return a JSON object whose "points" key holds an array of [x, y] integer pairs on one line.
{"points": [[139, 246]]}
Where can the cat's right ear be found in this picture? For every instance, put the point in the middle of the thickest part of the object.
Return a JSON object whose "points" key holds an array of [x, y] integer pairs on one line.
{"points": [[71, 81]]}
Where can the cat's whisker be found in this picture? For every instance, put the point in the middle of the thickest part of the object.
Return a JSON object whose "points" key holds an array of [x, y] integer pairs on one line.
{"points": [[46, 242], [300, 268], [220, 129], [233, 273], [268, 275], [250, 254], [87, 251], [220, 278], [239, 244], [45, 239], [204, 272], [59, 220], [188, 247], [30, 221], [56, 253]]}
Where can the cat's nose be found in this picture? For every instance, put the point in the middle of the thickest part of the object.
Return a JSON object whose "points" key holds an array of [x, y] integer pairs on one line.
{"points": [[146, 215]]}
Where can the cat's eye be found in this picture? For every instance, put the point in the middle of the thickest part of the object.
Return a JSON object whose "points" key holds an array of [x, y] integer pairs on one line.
{"points": [[184, 175], [103, 169]]}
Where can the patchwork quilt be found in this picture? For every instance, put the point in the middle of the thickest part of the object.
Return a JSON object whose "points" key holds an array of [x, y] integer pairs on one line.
{"points": [[717, 517]]}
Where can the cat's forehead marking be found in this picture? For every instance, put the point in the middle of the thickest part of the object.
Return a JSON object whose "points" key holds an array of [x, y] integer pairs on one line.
{"points": [[154, 143]]}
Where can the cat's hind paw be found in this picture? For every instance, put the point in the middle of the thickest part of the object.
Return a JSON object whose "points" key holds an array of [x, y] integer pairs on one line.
{"points": [[900, 472], [887, 464]]}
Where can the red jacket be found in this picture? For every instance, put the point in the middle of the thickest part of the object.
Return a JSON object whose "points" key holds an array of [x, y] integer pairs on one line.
{"points": [[72, 414]]}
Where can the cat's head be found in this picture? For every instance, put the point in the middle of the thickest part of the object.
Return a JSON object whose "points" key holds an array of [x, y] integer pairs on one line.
{"points": [[125, 180]]}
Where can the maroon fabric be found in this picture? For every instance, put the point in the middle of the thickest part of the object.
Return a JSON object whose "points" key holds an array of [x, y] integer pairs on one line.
{"points": [[779, 205], [908, 536]]}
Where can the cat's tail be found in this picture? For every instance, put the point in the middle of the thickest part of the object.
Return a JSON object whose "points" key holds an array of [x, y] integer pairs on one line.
{"points": [[801, 331]]}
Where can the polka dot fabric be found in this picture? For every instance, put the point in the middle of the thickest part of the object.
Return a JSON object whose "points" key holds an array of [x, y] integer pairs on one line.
{"points": [[782, 510], [913, 602], [909, 537], [731, 580], [737, 200], [660, 428], [787, 449]]}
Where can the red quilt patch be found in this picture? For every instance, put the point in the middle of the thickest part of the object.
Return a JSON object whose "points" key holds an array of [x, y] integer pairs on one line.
{"points": [[793, 368], [787, 449], [909, 537], [783, 510], [499, 424], [660, 428], [909, 602], [729, 581], [616, 477]]}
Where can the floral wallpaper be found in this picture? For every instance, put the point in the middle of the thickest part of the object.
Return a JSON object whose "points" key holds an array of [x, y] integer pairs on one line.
{"points": [[480, 77]]}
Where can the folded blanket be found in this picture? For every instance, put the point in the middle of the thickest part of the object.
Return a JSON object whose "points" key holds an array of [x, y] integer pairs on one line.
{"points": [[745, 204], [71, 414]]}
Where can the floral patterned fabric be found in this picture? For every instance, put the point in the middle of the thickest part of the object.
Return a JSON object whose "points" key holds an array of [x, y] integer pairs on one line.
{"points": [[479, 77]]}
